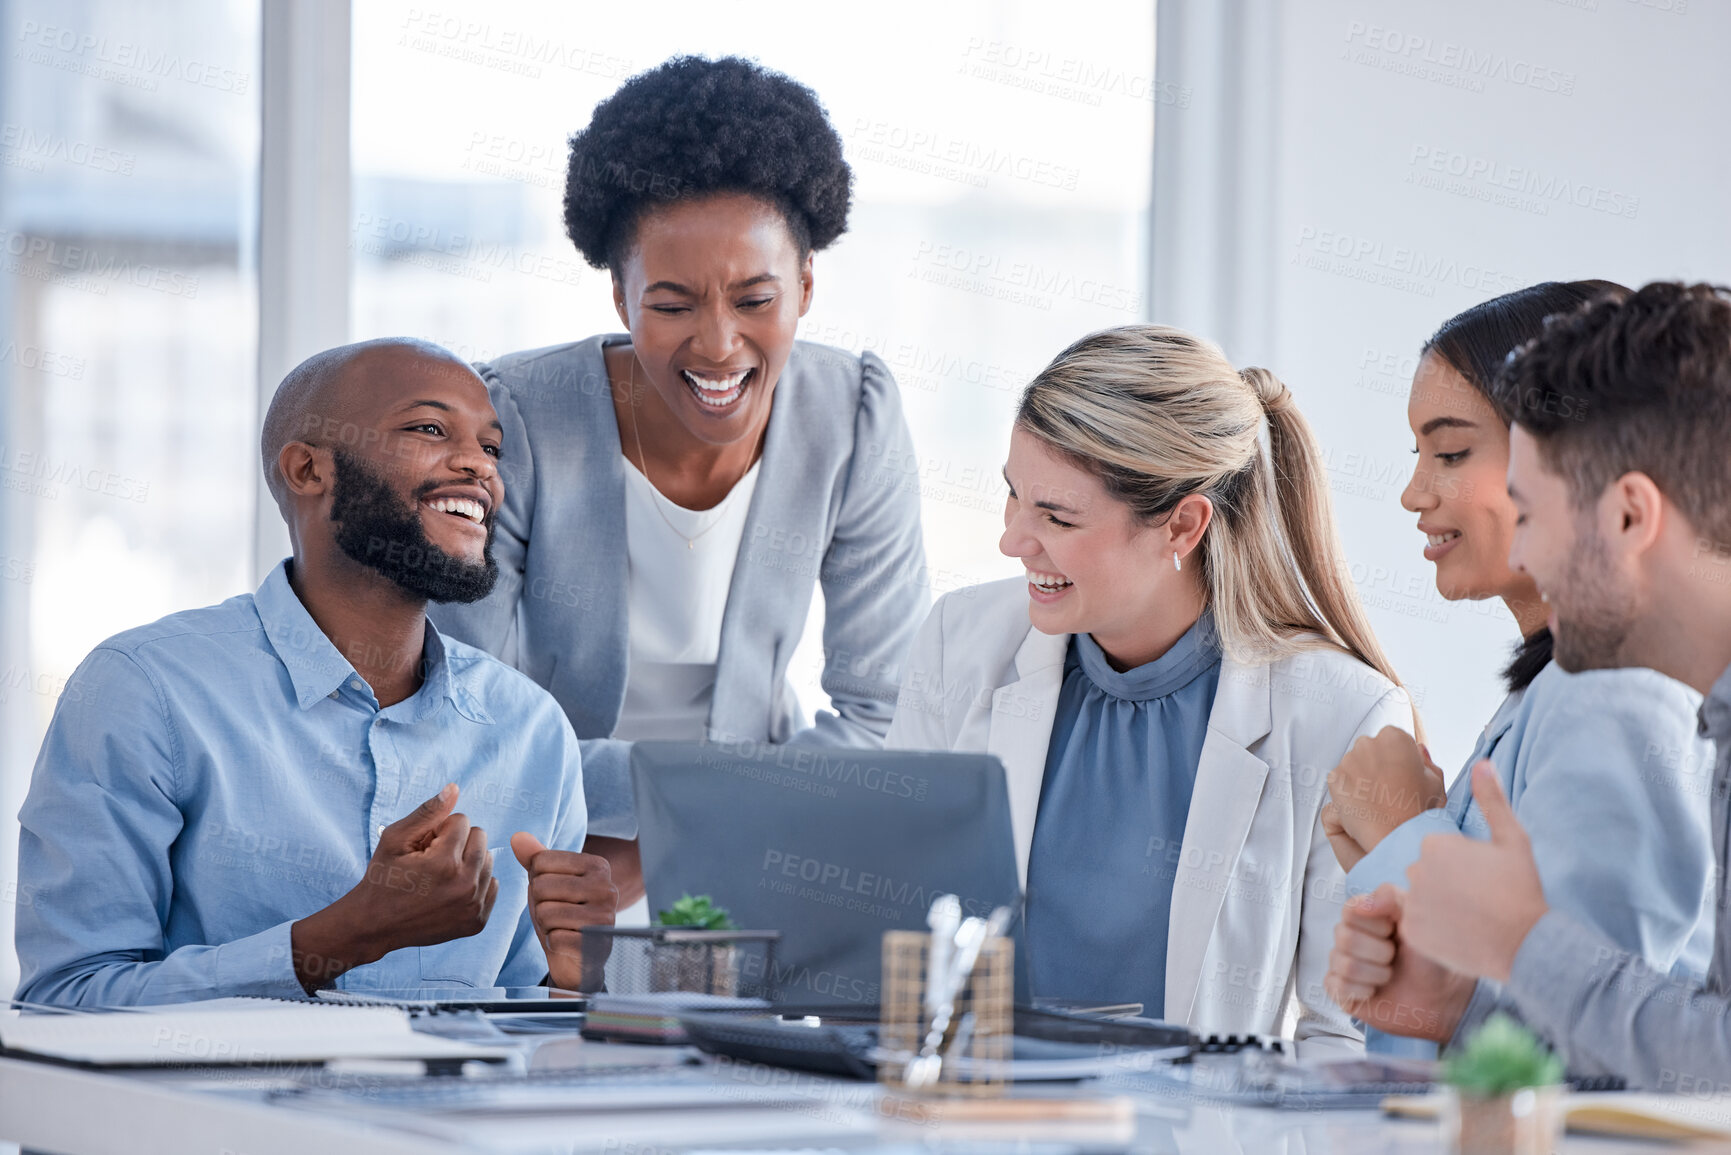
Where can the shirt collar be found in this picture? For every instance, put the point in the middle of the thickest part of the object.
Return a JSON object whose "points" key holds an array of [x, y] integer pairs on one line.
{"points": [[315, 667], [447, 681], [1504, 719], [1715, 713], [1194, 653], [318, 669]]}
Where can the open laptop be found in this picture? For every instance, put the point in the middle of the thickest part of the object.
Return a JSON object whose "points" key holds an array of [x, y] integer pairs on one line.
{"points": [[831, 847]]}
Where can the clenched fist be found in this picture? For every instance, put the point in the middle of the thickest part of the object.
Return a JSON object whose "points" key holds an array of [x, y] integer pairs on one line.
{"points": [[430, 881], [1384, 983], [1382, 782]]}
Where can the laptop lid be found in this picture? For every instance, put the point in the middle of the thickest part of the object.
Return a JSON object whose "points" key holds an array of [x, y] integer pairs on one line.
{"points": [[829, 846]]}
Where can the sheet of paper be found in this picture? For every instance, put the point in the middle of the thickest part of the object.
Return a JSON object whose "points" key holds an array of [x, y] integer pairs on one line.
{"points": [[228, 1031]]}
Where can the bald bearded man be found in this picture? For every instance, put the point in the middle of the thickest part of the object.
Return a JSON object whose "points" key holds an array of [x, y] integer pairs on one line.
{"points": [[262, 797]]}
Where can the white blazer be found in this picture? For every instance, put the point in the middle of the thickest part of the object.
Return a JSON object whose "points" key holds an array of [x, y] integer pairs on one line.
{"points": [[1257, 890]]}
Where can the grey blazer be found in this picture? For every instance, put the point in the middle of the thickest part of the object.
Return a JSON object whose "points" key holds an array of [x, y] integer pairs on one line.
{"points": [[834, 503]]}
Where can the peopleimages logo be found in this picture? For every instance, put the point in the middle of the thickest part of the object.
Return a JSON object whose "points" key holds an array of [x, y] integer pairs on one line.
{"points": [[87, 267], [1516, 186], [457, 254], [972, 161], [25, 148], [1446, 62], [1403, 267], [136, 65], [835, 884], [1021, 282], [833, 766], [42, 467], [1037, 69], [521, 51]]}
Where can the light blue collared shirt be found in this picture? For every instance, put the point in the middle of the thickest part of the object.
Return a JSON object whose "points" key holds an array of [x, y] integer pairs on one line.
{"points": [[1603, 1008], [215, 776], [1607, 773]]}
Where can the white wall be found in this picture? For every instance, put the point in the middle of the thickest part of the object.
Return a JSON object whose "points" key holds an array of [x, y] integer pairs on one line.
{"points": [[1298, 219]]}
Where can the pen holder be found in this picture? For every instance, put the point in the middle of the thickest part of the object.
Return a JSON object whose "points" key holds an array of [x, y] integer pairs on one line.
{"points": [[1525, 1122], [981, 1026]]}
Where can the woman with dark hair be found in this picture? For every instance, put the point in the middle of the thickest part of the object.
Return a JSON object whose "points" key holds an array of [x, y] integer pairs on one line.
{"points": [[1627, 852], [675, 492]]}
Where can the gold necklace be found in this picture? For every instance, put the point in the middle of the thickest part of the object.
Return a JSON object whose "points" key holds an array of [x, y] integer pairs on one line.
{"points": [[643, 463]]}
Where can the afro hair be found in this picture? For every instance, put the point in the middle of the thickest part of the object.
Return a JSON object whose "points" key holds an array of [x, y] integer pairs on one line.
{"points": [[692, 127]]}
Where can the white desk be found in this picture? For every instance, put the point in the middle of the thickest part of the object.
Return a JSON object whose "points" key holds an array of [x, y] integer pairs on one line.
{"points": [[76, 1112]]}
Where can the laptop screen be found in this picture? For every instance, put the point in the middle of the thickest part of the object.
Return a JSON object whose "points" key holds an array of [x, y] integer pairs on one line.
{"points": [[829, 846]]}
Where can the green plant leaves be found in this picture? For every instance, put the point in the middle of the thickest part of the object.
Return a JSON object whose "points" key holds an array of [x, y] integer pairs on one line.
{"points": [[1501, 1057], [699, 911]]}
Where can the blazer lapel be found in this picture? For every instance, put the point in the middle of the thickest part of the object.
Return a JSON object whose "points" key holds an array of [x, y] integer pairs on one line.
{"points": [[588, 655], [781, 551], [1021, 729], [1229, 781]]}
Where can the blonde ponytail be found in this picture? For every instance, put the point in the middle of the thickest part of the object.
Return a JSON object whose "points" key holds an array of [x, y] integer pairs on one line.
{"points": [[1158, 414], [1307, 522]]}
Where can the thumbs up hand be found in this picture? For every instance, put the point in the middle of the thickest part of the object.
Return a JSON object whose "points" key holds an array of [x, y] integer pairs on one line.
{"points": [[1470, 903], [567, 892]]}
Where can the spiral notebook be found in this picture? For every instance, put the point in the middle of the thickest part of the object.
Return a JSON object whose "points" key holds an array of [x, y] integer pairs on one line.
{"points": [[233, 1031]]}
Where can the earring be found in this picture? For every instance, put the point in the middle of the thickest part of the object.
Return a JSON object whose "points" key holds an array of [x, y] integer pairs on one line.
{"points": [[1176, 564]]}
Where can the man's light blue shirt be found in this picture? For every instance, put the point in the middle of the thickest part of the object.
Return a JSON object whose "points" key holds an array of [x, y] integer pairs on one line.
{"points": [[1605, 1010], [1609, 776], [215, 776]]}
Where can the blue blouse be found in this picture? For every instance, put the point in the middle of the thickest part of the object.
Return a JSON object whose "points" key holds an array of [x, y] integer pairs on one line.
{"points": [[1116, 794]]}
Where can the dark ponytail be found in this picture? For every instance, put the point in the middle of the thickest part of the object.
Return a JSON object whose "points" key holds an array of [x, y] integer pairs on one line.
{"points": [[1532, 654]]}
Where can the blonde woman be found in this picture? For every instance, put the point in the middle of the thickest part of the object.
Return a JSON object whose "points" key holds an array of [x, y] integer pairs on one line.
{"points": [[1167, 688]]}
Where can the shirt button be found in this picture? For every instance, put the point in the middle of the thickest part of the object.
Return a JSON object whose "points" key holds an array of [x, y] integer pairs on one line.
{"points": [[354, 683]]}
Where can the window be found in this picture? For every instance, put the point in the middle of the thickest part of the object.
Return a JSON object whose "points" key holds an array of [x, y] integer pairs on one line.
{"points": [[128, 180]]}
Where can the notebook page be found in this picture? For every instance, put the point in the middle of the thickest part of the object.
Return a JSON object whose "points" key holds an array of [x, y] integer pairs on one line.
{"points": [[266, 1032]]}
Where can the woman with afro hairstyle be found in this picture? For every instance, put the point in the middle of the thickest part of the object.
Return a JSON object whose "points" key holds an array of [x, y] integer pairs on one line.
{"points": [[674, 492]]}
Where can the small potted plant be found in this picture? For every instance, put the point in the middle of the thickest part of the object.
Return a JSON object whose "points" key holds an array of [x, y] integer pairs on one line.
{"points": [[1505, 1093], [699, 911], [706, 966], [695, 946]]}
